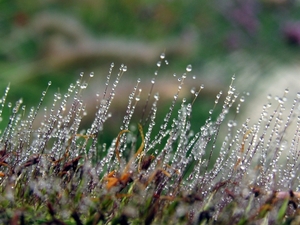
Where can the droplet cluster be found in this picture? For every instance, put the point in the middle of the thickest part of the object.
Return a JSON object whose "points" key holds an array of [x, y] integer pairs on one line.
{"points": [[205, 168]]}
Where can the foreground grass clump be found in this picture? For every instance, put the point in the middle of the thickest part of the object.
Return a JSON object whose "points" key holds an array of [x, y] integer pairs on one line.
{"points": [[58, 174]]}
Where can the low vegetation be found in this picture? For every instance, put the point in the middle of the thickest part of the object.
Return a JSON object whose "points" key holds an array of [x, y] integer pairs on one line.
{"points": [[225, 171]]}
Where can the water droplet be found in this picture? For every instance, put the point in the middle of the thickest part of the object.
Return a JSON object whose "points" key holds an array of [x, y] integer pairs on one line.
{"points": [[81, 74], [158, 63], [286, 91], [193, 90], [194, 77], [162, 55], [269, 97], [92, 74], [84, 85], [242, 99], [49, 83], [174, 74], [124, 68], [189, 68]]}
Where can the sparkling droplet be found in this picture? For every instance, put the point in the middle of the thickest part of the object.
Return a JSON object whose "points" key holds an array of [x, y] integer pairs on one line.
{"points": [[193, 90], [49, 83], [84, 86], [162, 55], [270, 96], [286, 91], [92, 74], [189, 68]]}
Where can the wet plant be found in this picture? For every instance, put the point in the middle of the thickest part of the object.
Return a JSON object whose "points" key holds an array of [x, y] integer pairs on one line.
{"points": [[224, 171]]}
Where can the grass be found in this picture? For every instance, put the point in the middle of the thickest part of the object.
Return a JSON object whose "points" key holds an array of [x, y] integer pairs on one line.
{"points": [[152, 172]]}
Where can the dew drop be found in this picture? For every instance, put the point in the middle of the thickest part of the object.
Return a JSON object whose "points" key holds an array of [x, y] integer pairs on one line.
{"points": [[84, 86], [269, 97], [286, 91], [81, 74], [162, 55], [194, 77], [193, 90], [124, 68], [92, 74], [242, 99], [189, 68], [49, 83], [158, 63]]}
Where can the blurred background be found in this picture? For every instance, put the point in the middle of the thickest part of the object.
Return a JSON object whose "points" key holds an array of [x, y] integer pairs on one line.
{"points": [[55, 40]]}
